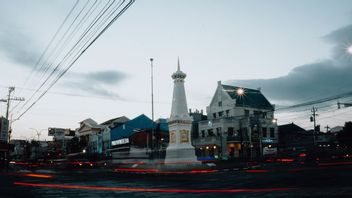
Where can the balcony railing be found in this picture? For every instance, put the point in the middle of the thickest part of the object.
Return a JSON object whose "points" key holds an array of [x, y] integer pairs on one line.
{"points": [[234, 138], [206, 141]]}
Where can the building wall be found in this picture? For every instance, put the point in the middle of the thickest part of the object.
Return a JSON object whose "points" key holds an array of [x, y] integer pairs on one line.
{"points": [[232, 130]]}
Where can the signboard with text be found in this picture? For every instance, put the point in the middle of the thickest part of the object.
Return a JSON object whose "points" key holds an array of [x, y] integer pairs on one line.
{"points": [[120, 141]]}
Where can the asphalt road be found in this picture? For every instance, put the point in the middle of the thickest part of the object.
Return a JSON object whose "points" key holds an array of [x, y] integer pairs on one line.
{"points": [[324, 181]]}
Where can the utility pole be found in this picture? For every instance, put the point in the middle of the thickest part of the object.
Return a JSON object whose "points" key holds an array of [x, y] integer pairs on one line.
{"points": [[152, 95], [7, 100], [327, 128], [313, 119]]}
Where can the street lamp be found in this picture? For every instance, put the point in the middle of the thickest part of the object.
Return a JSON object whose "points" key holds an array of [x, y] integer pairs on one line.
{"points": [[240, 91], [152, 95]]}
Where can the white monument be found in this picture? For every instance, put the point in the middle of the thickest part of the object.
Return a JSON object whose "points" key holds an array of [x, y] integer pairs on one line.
{"points": [[180, 148]]}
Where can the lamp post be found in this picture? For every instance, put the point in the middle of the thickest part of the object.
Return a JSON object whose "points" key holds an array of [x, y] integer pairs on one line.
{"points": [[152, 95]]}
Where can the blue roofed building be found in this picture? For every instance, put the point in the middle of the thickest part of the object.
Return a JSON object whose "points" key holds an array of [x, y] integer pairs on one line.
{"points": [[138, 124], [133, 139]]}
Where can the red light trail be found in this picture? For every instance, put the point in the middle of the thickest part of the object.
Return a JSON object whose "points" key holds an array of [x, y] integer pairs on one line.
{"points": [[46, 176], [157, 190], [136, 170]]}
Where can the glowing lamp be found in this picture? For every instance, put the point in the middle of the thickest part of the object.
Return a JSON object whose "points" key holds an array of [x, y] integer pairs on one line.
{"points": [[349, 49], [240, 91]]}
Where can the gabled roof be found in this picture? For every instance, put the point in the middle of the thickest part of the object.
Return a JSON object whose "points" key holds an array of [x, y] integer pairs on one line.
{"points": [[115, 121], [251, 97], [290, 128], [89, 121], [336, 129], [140, 123]]}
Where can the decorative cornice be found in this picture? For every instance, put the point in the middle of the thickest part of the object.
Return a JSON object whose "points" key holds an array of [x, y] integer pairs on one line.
{"points": [[180, 122]]}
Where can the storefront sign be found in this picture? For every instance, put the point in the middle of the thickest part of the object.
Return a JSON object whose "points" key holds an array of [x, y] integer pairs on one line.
{"points": [[269, 151], [120, 141]]}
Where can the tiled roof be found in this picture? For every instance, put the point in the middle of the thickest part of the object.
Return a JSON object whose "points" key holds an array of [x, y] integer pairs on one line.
{"points": [[251, 97], [140, 123], [121, 119]]}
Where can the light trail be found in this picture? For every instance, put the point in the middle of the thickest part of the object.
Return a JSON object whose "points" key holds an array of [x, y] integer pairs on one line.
{"points": [[155, 190], [157, 171]]}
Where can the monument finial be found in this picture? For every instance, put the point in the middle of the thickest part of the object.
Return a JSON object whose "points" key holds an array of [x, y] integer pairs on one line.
{"points": [[178, 63]]}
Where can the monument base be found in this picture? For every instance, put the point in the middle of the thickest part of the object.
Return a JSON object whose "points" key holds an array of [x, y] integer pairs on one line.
{"points": [[181, 156]]}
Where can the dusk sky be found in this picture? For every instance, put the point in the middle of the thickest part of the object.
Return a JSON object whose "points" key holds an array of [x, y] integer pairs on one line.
{"points": [[294, 50]]}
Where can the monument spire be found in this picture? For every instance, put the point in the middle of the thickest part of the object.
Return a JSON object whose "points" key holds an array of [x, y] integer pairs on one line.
{"points": [[178, 63], [179, 110], [180, 147]]}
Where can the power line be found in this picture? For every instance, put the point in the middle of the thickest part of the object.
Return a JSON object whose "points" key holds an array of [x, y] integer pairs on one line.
{"points": [[80, 54], [56, 69], [47, 48]]}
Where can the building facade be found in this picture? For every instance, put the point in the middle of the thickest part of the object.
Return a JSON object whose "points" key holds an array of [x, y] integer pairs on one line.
{"points": [[92, 133], [240, 124]]}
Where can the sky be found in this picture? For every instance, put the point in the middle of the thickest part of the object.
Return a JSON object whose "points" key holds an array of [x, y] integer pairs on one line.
{"points": [[294, 51]]}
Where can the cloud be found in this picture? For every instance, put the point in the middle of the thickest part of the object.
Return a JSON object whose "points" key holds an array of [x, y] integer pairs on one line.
{"points": [[341, 39], [17, 46], [314, 80], [96, 83], [106, 77]]}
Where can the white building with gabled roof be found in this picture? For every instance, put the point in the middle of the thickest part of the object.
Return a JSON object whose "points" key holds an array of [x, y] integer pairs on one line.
{"points": [[240, 124]]}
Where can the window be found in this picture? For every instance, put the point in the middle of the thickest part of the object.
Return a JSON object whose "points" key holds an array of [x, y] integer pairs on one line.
{"points": [[221, 113], [257, 113], [272, 132], [218, 131], [264, 115], [264, 132], [227, 113], [230, 131], [203, 133], [220, 103], [246, 112], [210, 132], [214, 115]]}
